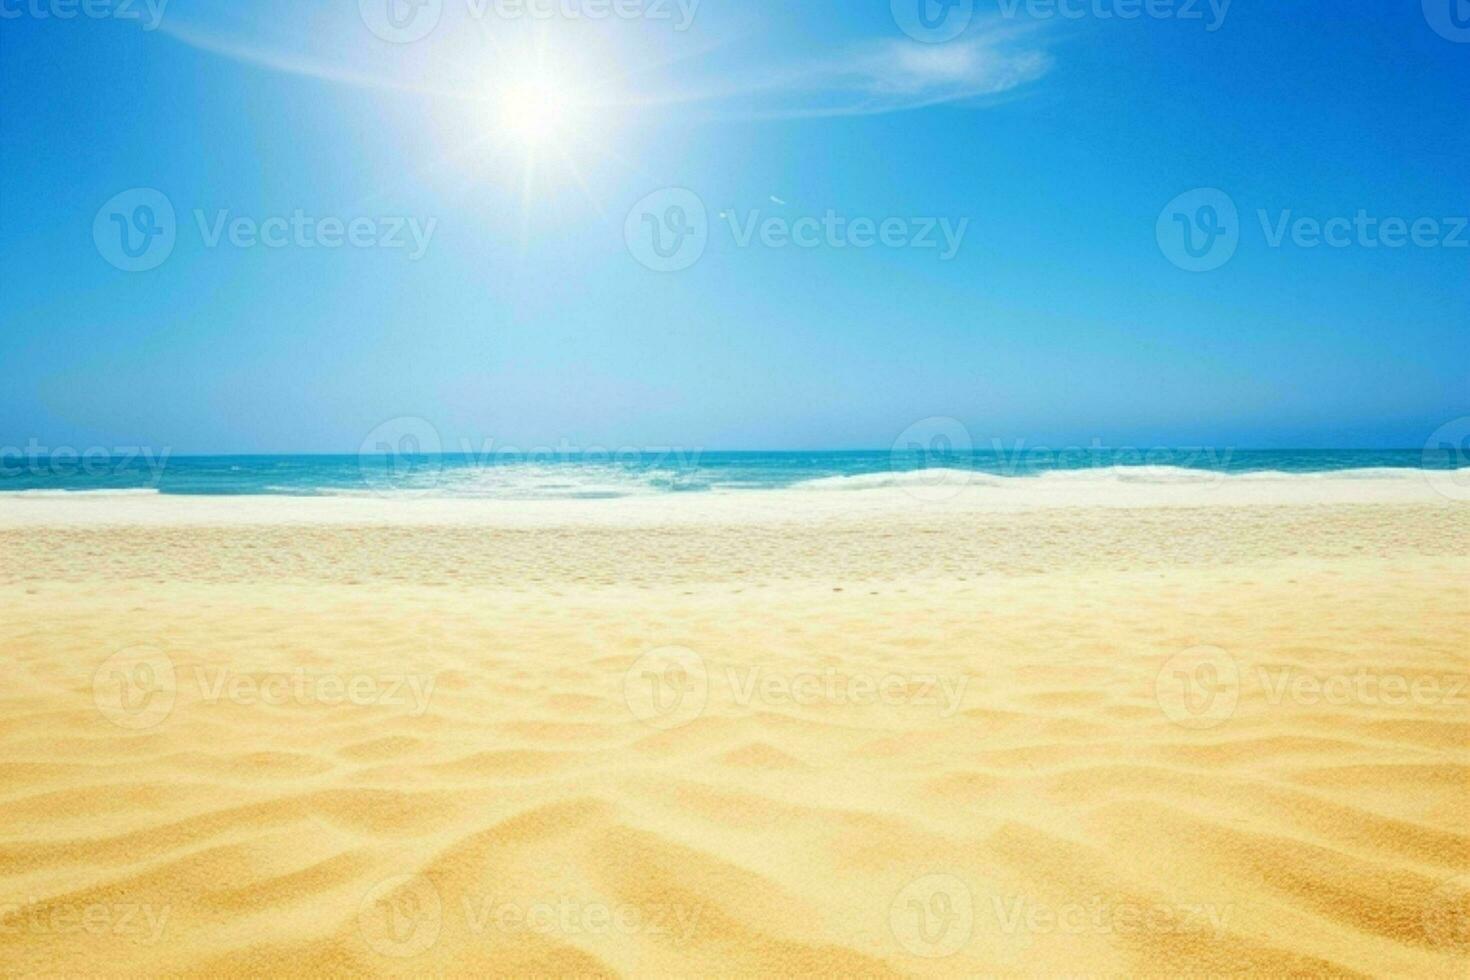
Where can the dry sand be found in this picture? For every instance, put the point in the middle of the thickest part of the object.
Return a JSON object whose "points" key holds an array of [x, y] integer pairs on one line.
{"points": [[839, 733]]}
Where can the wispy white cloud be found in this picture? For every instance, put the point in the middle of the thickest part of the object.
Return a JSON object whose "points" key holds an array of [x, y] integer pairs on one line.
{"points": [[866, 78], [869, 78], [285, 61], [893, 75]]}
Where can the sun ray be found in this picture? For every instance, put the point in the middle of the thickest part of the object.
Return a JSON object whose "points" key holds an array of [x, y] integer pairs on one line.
{"points": [[528, 182], [571, 165]]}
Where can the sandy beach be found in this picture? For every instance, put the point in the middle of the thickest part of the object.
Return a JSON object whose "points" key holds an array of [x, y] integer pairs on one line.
{"points": [[1107, 729]]}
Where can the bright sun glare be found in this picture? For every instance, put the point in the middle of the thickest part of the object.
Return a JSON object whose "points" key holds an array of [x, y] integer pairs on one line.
{"points": [[541, 122], [535, 111]]}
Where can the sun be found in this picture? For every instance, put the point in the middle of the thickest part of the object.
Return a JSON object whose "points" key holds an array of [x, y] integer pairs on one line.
{"points": [[536, 111], [540, 125]]}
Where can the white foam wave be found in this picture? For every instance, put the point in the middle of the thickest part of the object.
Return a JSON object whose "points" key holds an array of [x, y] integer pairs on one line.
{"points": [[129, 492], [1147, 475], [903, 478], [523, 482]]}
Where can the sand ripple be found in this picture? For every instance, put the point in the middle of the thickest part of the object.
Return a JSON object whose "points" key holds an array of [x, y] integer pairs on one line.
{"points": [[1145, 749]]}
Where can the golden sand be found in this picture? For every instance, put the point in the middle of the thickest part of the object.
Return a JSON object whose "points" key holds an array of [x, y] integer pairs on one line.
{"points": [[864, 738]]}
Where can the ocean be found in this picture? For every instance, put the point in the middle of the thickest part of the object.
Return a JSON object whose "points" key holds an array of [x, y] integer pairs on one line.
{"points": [[625, 473]]}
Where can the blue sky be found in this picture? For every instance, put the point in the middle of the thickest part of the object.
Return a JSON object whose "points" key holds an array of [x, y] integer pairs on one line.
{"points": [[1058, 144]]}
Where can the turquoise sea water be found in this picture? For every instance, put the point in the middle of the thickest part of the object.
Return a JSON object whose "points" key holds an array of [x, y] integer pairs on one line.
{"points": [[597, 475]]}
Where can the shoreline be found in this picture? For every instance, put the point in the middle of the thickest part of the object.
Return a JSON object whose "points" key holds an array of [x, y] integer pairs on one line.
{"points": [[942, 496]]}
